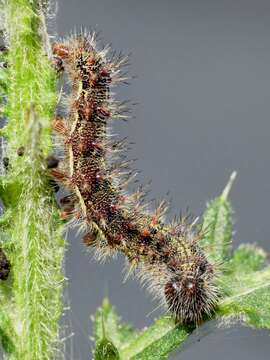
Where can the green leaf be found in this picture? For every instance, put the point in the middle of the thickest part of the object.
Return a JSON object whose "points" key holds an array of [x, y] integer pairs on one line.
{"points": [[217, 226], [247, 287], [107, 320], [156, 342], [246, 258], [249, 299], [105, 350]]}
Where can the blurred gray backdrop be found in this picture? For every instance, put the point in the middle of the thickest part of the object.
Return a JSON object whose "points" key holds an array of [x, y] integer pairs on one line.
{"points": [[203, 92]]}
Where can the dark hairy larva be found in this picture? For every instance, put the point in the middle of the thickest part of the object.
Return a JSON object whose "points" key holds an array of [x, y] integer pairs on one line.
{"points": [[166, 257]]}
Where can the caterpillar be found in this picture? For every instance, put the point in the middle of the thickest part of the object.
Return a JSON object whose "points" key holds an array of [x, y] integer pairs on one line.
{"points": [[165, 257]]}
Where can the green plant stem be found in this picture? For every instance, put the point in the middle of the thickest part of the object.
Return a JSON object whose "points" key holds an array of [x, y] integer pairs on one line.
{"points": [[35, 245]]}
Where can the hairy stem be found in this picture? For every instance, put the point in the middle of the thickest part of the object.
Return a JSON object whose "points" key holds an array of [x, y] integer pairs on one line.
{"points": [[35, 247]]}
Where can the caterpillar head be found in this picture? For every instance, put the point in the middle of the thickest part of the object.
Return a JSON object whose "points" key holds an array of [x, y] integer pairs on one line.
{"points": [[192, 294]]}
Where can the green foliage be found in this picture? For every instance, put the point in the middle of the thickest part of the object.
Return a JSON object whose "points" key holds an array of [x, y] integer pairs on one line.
{"points": [[248, 299], [156, 342], [107, 321], [244, 281], [217, 226], [105, 350], [246, 258]]}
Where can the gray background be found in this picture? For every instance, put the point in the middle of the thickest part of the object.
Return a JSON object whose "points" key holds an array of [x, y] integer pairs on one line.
{"points": [[203, 88]]}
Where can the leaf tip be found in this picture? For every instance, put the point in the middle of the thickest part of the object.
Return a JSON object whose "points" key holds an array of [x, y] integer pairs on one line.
{"points": [[228, 187]]}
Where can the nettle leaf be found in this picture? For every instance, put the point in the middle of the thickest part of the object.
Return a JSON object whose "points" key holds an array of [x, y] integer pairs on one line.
{"points": [[105, 350], [249, 299], [244, 283], [217, 226], [107, 324], [246, 258], [158, 341], [114, 339]]}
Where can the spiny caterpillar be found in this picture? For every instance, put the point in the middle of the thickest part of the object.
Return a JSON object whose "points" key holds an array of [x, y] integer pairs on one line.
{"points": [[167, 257]]}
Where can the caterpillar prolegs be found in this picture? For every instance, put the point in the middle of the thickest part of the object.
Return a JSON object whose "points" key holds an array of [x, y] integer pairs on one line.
{"points": [[167, 257]]}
